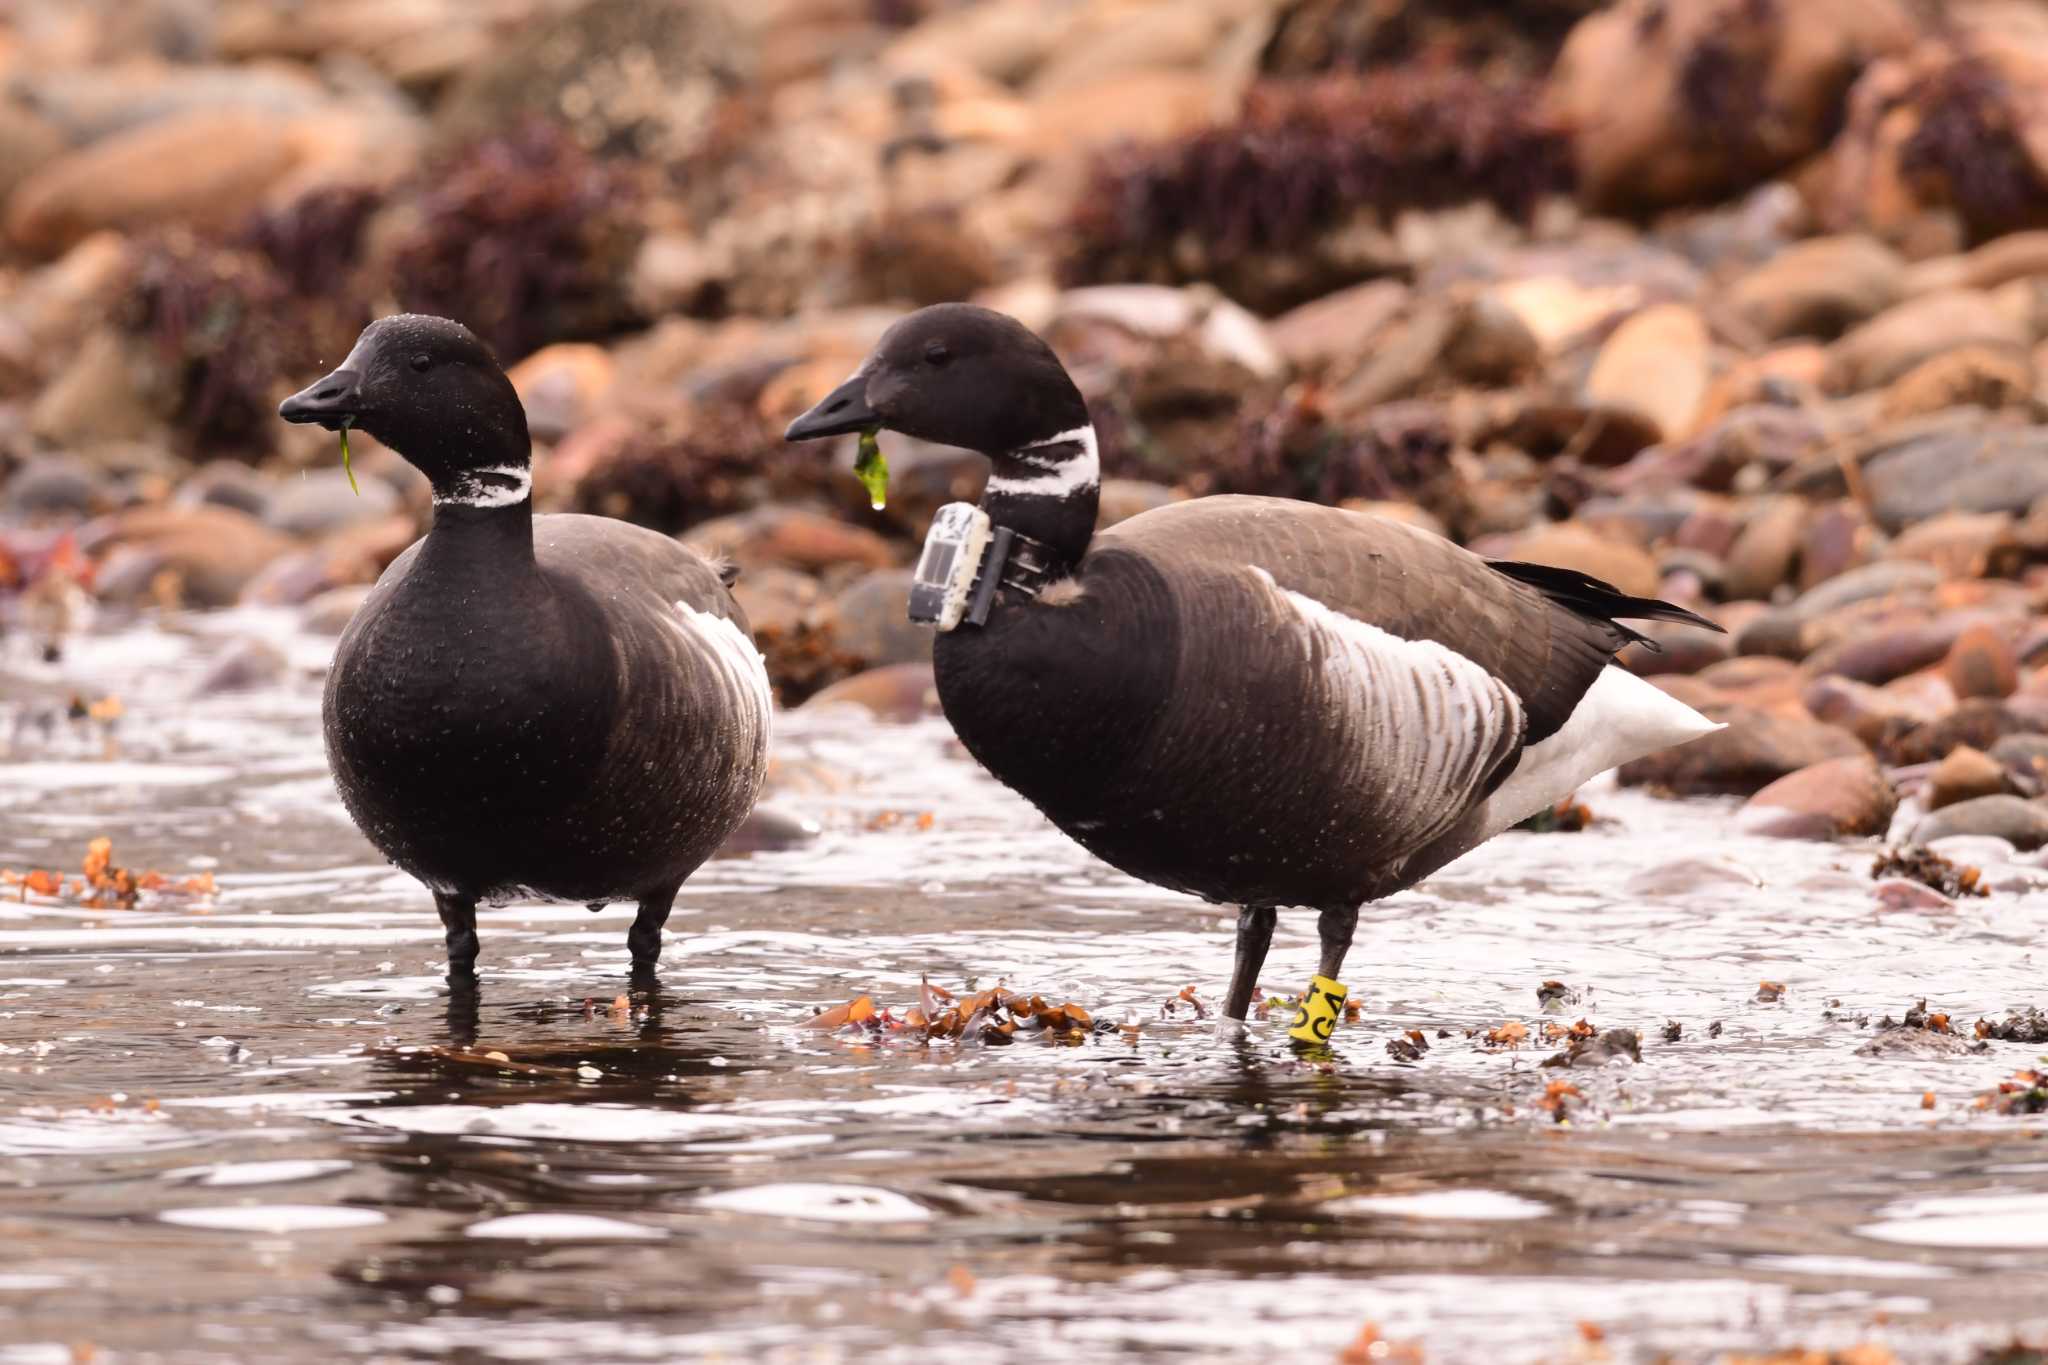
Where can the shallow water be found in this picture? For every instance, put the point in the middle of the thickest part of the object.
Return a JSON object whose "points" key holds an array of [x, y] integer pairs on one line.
{"points": [[262, 1128]]}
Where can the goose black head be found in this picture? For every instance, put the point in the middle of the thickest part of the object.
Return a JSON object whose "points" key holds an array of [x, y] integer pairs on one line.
{"points": [[955, 374], [426, 387]]}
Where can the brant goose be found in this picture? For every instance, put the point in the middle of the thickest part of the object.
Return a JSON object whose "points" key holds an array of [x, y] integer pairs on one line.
{"points": [[564, 707], [1262, 702]]}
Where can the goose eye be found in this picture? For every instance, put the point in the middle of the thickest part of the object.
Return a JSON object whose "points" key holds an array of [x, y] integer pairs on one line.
{"points": [[936, 354], [422, 362]]}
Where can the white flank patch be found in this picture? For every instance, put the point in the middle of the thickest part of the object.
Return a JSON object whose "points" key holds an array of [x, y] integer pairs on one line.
{"points": [[1621, 717], [1062, 480], [1418, 720], [746, 673], [471, 491]]}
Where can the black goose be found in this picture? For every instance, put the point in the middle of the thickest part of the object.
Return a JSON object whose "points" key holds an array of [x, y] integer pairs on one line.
{"points": [[1262, 702], [563, 707]]}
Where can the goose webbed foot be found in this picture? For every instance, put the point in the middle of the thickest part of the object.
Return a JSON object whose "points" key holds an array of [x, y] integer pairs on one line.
{"points": [[645, 938], [1254, 937], [458, 917]]}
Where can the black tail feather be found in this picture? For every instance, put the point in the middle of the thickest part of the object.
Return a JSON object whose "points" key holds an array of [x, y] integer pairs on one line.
{"points": [[1590, 597]]}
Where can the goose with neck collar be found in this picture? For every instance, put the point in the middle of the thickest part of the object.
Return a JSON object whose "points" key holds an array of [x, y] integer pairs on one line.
{"points": [[1261, 702], [559, 707]]}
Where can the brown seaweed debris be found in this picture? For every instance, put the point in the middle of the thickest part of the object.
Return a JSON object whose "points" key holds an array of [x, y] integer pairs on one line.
{"points": [[2028, 1025], [227, 331], [1930, 869], [1968, 150], [1518, 38], [1244, 203], [692, 466], [2025, 1093], [527, 238], [103, 885], [991, 1017]]}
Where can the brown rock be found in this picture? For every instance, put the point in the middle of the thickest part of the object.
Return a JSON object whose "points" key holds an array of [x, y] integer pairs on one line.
{"points": [[1820, 287], [1763, 556], [112, 390], [561, 386], [1839, 537], [207, 167], [201, 556], [1568, 545], [1872, 714], [791, 537], [1979, 376], [1641, 84], [1847, 796], [894, 692], [870, 619], [1655, 365], [2022, 823], [1754, 750], [1962, 544], [1122, 499], [1909, 333], [1337, 326], [1965, 775], [1981, 664], [1977, 721]]}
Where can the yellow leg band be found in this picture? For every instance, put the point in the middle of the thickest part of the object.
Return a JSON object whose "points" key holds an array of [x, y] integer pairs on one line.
{"points": [[1322, 1004]]}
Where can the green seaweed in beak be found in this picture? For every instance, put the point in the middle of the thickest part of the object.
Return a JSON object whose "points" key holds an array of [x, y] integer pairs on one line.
{"points": [[872, 469], [345, 467]]}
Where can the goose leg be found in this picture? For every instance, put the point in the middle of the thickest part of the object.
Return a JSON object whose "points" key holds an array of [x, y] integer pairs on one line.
{"points": [[1335, 928], [1254, 936], [645, 939], [458, 917]]}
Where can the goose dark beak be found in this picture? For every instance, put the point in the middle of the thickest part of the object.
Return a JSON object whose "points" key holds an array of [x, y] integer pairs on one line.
{"points": [[842, 410], [332, 402]]}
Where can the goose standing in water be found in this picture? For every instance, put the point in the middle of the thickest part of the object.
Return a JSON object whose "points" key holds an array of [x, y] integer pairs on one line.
{"points": [[562, 707], [1262, 702]]}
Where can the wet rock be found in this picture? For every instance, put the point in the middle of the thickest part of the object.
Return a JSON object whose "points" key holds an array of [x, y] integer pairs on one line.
{"points": [[2020, 822], [1684, 876], [1979, 376], [894, 692], [1608, 1045], [1221, 329], [1678, 648], [1655, 365], [331, 611], [319, 501], [792, 537], [247, 665], [202, 556], [1916, 331], [1981, 664], [1847, 796], [871, 619], [1764, 554], [1755, 749], [1820, 287], [768, 830], [1569, 545], [54, 484], [1897, 893], [1964, 775], [1779, 632]]}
